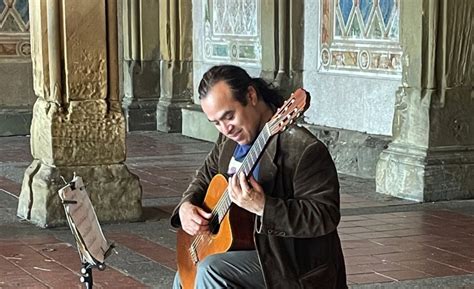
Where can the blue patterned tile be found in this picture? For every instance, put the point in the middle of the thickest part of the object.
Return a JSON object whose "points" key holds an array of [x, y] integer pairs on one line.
{"points": [[346, 7], [365, 7], [386, 7], [22, 7], [2, 6]]}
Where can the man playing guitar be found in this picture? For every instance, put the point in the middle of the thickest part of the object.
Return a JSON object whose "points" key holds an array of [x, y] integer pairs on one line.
{"points": [[284, 186]]}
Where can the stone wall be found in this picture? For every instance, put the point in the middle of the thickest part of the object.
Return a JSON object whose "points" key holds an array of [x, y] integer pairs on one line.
{"points": [[352, 64], [354, 153]]}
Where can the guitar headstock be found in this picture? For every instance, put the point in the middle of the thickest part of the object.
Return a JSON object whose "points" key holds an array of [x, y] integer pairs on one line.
{"points": [[290, 111]]}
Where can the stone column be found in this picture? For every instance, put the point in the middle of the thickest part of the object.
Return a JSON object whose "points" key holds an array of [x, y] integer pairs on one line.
{"points": [[176, 63], [431, 157], [141, 63], [78, 125], [282, 43]]}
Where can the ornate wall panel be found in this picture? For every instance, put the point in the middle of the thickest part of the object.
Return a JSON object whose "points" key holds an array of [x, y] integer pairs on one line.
{"points": [[360, 36], [14, 30], [232, 31]]}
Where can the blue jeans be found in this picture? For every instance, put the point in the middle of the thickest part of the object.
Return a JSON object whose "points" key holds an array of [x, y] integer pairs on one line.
{"points": [[234, 269]]}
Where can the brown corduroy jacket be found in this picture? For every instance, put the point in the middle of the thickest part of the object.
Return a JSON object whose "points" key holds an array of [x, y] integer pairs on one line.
{"points": [[296, 238]]}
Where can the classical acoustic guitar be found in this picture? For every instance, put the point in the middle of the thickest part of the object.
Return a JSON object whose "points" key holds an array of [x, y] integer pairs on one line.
{"points": [[231, 227]]}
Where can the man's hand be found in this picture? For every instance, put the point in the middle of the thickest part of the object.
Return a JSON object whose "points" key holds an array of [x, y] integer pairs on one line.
{"points": [[194, 220], [247, 194]]}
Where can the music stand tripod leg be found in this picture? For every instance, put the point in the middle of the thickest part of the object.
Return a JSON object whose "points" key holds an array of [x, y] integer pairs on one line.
{"points": [[86, 275]]}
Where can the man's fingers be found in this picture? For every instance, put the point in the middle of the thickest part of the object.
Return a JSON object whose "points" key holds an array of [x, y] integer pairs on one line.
{"points": [[203, 213], [194, 229], [232, 188], [244, 184], [235, 184], [253, 182], [200, 221]]}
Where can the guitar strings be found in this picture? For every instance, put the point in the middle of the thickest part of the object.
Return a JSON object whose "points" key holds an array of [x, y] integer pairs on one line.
{"points": [[224, 202]]}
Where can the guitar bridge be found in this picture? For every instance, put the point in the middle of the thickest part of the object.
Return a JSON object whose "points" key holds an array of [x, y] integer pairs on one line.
{"points": [[193, 254]]}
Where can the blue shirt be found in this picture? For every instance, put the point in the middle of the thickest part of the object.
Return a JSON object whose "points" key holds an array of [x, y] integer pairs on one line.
{"points": [[239, 155]]}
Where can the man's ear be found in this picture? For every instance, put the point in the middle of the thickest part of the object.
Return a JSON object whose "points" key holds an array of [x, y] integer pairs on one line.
{"points": [[252, 95]]}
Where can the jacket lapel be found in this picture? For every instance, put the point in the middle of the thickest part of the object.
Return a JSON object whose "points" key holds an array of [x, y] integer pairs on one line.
{"points": [[268, 168], [228, 147]]}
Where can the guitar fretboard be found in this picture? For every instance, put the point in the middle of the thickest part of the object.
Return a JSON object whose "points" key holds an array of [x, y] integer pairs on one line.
{"points": [[248, 163]]}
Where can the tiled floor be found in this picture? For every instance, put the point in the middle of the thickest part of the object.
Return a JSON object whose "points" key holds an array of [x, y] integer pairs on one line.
{"points": [[47, 262], [409, 245], [387, 242]]}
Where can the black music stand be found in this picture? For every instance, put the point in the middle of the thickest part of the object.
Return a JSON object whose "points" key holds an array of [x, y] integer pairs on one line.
{"points": [[92, 246]]}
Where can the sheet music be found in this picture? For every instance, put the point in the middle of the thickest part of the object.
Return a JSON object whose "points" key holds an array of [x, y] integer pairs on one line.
{"points": [[83, 222]]}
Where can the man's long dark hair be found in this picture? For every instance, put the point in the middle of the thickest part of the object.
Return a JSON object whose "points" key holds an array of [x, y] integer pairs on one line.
{"points": [[239, 81]]}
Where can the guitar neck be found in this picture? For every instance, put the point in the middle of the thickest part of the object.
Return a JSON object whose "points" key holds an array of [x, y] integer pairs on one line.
{"points": [[247, 165], [255, 151], [285, 115]]}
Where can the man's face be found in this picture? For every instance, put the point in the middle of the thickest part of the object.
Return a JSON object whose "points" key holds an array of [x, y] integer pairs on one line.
{"points": [[237, 122]]}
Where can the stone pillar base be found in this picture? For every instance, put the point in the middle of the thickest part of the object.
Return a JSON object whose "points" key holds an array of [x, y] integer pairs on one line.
{"points": [[114, 191], [169, 116], [176, 93], [141, 89], [140, 115], [423, 175], [196, 125], [400, 172]]}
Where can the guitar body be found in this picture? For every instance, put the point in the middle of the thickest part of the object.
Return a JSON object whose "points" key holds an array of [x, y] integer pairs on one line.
{"points": [[235, 232]]}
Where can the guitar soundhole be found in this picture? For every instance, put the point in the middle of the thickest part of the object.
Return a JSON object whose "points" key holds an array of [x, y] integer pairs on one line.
{"points": [[214, 226]]}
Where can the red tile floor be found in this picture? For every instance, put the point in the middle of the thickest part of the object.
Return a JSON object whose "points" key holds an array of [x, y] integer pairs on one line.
{"points": [[387, 242]]}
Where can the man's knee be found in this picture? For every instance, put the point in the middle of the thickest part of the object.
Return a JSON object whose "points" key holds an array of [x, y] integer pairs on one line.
{"points": [[177, 281], [208, 271], [209, 264]]}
